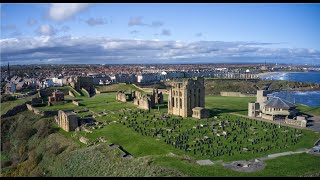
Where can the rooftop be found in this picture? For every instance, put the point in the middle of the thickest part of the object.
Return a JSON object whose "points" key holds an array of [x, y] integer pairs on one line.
{"points": [[279, 103]]}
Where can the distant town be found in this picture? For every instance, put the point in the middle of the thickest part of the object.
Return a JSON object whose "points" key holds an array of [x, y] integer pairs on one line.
{"points": [[25, 78]]}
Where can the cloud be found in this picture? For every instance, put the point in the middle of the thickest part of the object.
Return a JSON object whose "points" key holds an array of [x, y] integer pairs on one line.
{"points": [[136, 21], [46, 30], [157, 23], [198, 34], [68, 49], [64, 11], [96, 21], [166, 32], [32, 22]]}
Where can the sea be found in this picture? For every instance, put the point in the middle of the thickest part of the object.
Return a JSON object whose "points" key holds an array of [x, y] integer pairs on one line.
{"points": [[309, 98]]}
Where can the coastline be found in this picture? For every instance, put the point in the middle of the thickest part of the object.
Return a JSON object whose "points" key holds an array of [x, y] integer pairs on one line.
{"points": [[269, 73]]}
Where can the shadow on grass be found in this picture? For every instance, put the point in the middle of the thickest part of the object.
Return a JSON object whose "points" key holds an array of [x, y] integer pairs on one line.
{"points": [[219, 111]]}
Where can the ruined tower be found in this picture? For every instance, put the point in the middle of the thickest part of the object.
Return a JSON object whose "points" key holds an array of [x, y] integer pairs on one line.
{"points": [[186, 95]]}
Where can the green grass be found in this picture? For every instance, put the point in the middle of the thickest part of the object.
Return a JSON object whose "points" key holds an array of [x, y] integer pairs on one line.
{"points": [[6, 106], [292, 165], [315, 111], [75, 93], [220, 104], [85, 93], [132, 140], [117, 87]]}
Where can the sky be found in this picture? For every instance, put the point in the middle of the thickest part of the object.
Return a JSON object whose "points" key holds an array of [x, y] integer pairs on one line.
{"points": [[111, 33]]}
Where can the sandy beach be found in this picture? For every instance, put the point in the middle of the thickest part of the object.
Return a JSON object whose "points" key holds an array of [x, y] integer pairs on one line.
{"points": [[269, 73]]}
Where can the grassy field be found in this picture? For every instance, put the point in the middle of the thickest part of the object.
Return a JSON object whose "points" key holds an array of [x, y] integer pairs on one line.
{"points": [[220, 104], [293, 165], [117, 87], [145, 135], [5, 106], [315, 111]]}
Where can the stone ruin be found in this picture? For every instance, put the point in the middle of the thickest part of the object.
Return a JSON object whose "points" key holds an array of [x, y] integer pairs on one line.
{"points": [[124, 97], [146, 101], [143, 101]]}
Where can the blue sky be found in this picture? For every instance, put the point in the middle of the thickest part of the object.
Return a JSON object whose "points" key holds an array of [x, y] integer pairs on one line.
{"points": [[178, 32]]}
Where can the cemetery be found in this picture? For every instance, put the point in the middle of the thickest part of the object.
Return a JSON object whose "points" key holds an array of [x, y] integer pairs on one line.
{"points": [[212, 138]]}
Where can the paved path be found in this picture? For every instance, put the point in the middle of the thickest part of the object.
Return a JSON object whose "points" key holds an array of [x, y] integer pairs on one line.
{"points": [[314, 123]]}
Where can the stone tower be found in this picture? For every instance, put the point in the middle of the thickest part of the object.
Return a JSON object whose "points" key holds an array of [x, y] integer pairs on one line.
{"points": [[186, 95]]}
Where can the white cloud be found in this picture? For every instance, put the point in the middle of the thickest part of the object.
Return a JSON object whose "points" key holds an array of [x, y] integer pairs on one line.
{"points": [[63, 11], [81, 49], [47, 30]]}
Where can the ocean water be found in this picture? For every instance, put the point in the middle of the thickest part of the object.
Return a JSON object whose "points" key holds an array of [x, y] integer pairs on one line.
{"points": [[309, 98], [295, 76]]}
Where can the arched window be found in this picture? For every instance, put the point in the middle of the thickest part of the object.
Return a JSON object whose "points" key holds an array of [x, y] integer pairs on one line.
{"points": [[180, 103], [177, 102], [172, 102], [180, 93]]}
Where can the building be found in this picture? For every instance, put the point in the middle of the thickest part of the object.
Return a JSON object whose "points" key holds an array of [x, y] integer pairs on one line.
{"points": [[272, 108], [68, 121], [185, 96], [123, 78], [56, 96]]}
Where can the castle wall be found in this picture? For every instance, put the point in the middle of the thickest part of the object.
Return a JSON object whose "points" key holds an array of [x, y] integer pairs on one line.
{"points": [[185, 95], [67, 121]]}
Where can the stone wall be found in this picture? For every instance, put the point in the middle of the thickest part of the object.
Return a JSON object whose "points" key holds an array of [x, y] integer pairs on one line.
{"points": [[163, 91], [68, 121], [301, 123], [200, 113], [235, 94], [268, 117], [39, 112], [97, 92], [75, 103], [146, 101], [71, 94], [121, 96]]}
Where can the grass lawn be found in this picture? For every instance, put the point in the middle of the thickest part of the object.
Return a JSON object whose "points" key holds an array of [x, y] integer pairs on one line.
{"points": [[315, 111], [220, 104], [140, 145], [6, 106], [292, 165], [117, 87], [143, 133]]}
